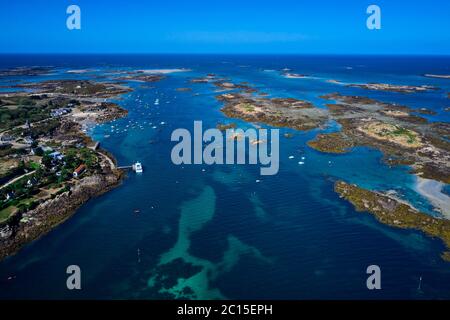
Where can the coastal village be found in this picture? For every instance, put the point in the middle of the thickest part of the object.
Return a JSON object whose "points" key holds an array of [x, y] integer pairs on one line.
{"points": [[48, 165]]}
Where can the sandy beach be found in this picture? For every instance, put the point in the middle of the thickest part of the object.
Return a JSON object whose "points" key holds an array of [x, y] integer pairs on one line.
{"points": [[432, 190]]}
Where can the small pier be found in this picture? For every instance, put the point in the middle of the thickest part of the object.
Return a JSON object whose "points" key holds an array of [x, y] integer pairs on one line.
{"points": [[136, 167], [125, 167], [95, 146]]}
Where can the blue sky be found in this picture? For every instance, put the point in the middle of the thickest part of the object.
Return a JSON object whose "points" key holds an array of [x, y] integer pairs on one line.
{"points": [[231, 26]]}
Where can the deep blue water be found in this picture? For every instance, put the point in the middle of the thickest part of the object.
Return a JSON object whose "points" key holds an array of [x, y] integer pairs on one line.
{"points": [[287, 237]]}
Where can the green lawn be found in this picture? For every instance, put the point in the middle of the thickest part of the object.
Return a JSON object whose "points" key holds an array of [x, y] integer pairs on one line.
{"points": [[6, 213], [248, 107], [26, 201], [34, 165], [405, 132]]}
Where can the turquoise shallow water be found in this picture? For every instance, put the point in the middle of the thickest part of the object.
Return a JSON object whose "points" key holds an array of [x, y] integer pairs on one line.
{"points": [[212, 231]]}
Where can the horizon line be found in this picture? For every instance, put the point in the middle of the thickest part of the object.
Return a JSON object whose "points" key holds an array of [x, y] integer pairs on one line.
{"points": [[227, 53]]}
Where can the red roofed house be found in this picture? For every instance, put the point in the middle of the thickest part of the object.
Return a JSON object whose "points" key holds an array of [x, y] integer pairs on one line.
{"points": [[79, 171]]}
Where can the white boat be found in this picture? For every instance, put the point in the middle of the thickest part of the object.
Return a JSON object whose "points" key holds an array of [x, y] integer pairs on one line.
{"points": [[138, 167]]}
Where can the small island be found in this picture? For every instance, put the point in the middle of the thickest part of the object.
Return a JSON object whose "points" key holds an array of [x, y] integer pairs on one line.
{"points": [[395, 213], [278, 112], [393, 87], [290, 75], [335, 142], [439, 76], [225, 86], [404, 138], [25, 71]]}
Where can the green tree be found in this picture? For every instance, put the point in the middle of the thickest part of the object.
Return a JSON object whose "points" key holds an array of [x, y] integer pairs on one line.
{"points": [[47, 161]]}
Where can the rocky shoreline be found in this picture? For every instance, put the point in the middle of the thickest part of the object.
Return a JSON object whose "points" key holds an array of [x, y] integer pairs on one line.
{"points": [[403, 137], [54, 212], [394, 213]]}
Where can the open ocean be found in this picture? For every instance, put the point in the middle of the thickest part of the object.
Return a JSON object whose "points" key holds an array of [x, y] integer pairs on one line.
{"points": [[215, 229]]}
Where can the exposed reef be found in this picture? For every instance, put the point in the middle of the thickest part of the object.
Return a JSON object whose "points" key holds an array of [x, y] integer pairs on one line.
{"points": [[335, 142], [141, 77], [224, 127], [394, 213], [393, 87], [25, 71], [232, 86], [402, 137], [278, 112], [79, 88]]}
